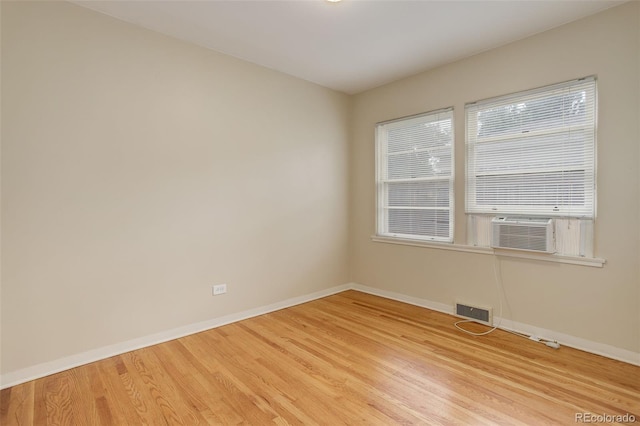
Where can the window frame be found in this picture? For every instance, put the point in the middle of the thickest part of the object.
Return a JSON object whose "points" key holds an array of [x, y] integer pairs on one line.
{"points": [[588, 149], [381, 180]]}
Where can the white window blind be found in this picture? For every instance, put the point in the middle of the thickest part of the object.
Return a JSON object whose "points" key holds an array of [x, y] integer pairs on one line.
{"points": [[533, 152], [414, 163]]}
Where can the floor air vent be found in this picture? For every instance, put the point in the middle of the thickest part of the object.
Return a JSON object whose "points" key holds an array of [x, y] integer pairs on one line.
{"points": [[479, 314]]}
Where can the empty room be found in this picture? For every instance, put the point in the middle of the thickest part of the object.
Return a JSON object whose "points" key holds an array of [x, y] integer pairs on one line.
{"points": [[320, 212]]}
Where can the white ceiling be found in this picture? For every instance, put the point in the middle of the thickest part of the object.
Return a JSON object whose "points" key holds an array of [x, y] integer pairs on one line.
{"points": [[353, 45]]}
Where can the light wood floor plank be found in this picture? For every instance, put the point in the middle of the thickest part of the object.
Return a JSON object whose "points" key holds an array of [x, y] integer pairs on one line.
{"points": [[351, 358], [17, 404]]}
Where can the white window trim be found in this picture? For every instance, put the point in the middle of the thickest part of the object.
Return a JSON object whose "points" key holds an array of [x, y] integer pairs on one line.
{"points": [[381, 214], [471, 142]]}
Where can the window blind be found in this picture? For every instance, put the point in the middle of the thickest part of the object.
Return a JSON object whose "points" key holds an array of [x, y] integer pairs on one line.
{"points": [[415, 177], [533, 152]]}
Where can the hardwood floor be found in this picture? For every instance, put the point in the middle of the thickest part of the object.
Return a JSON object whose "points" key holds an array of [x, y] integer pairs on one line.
{"points": [[345, 359]]}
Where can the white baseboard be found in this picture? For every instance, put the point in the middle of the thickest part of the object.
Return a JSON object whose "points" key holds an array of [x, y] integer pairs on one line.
{"points": [[505, 324], [597, 348], [45, 369], [424, 303]]}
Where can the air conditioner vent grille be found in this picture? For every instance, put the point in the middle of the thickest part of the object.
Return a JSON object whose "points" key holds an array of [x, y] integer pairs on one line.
{"points": [[533, 234]]}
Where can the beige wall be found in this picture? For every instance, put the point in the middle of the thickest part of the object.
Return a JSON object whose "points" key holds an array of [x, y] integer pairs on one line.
{"points": [[138, 170], [600, 305]]}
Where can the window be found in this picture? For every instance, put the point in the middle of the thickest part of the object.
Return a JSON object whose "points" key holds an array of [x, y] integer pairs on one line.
{"points": [[533, 152], [414, 177]]}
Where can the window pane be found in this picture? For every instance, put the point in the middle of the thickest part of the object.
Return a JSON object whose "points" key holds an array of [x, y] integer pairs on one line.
{"points": [[418, 164], [433, 223], [419, 194], [532, 189], [423, 135], [563, 150], [539, 112]]}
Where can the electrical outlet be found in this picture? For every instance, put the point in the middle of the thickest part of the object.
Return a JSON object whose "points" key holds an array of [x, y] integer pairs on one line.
{"points": [[219, 289]]}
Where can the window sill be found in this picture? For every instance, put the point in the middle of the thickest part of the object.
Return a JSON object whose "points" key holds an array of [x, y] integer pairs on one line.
{"points": [[557, 258]]}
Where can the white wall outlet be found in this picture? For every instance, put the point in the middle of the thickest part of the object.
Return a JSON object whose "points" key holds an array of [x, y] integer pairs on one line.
{"points": [[219, 289]]}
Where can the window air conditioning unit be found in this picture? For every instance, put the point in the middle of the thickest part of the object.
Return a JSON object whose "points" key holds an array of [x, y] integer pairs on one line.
{"points": [[523, 233]]}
